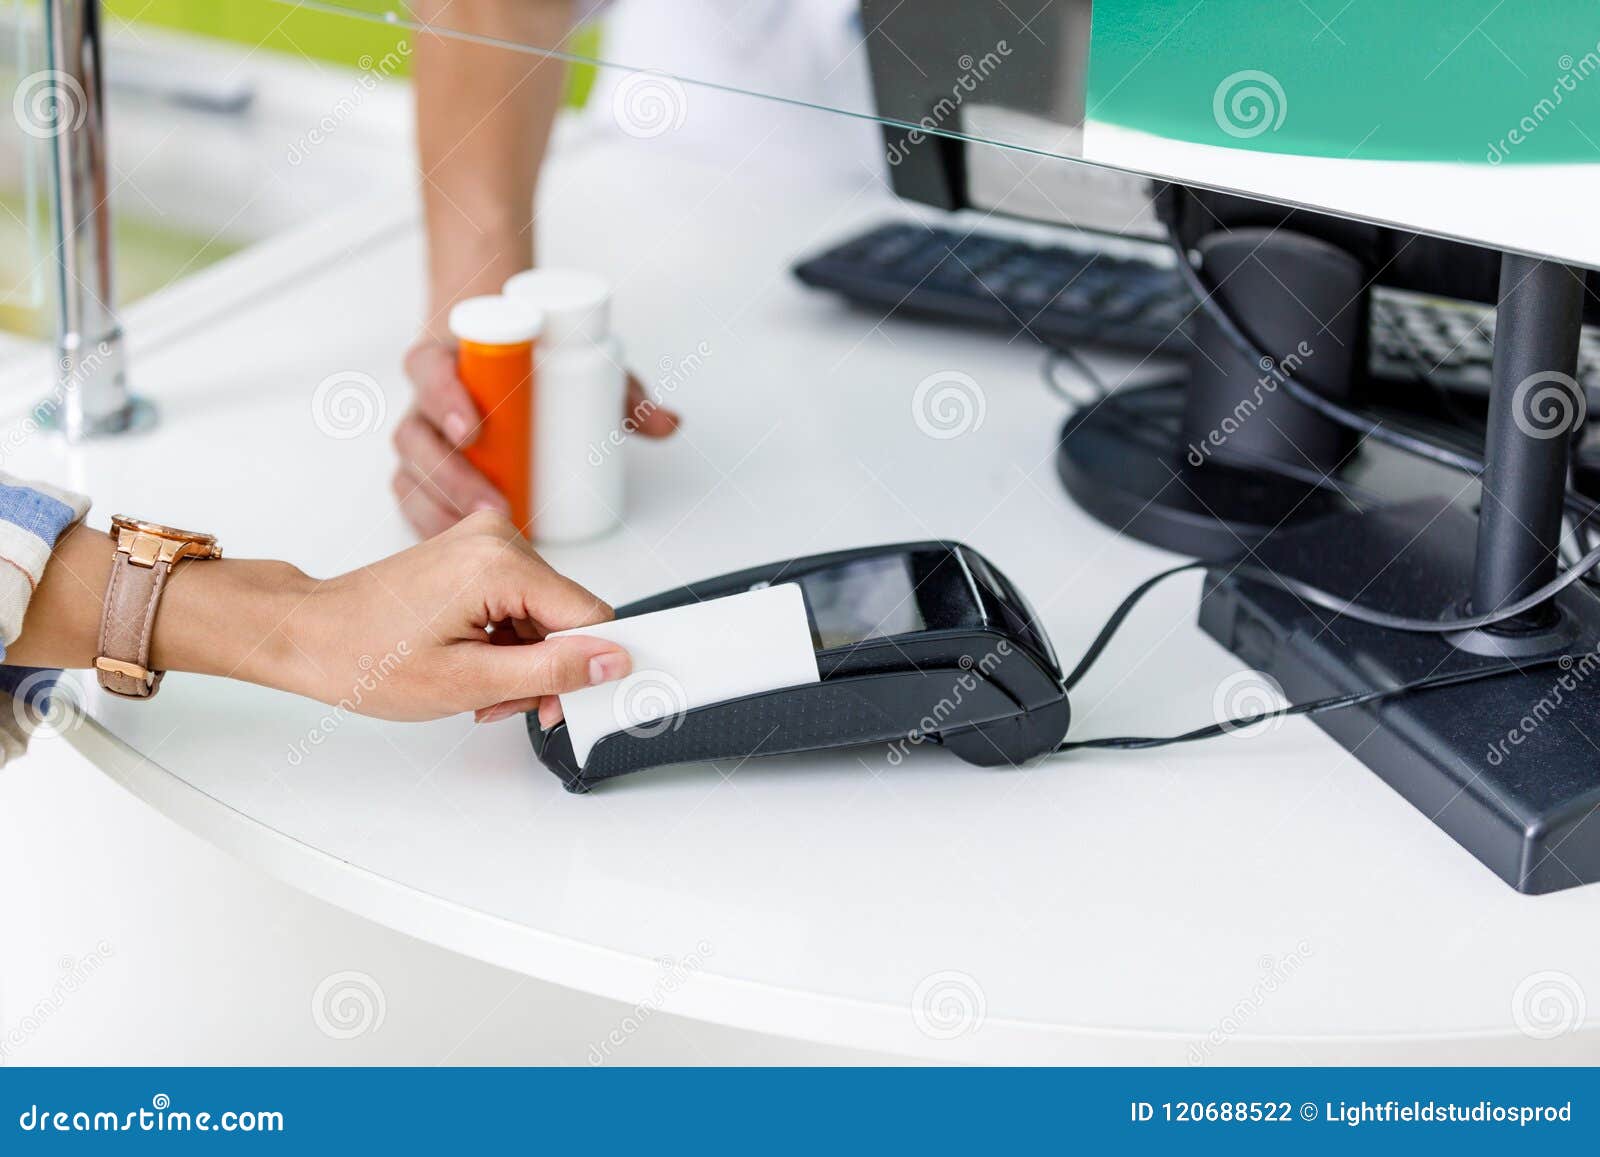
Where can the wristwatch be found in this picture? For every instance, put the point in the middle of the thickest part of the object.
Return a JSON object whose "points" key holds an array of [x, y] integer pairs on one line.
{"points": [[146, 554]]}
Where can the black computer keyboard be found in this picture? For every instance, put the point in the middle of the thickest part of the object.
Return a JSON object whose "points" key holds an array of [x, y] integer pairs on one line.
{"points": [[1061, 294]]}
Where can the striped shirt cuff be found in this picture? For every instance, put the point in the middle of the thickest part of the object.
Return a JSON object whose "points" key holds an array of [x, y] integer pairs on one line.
{"points": [[33, 516]]}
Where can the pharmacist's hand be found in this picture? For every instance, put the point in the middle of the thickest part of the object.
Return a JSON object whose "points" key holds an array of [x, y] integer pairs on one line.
{"points": [[434, 483], [456, 623]]}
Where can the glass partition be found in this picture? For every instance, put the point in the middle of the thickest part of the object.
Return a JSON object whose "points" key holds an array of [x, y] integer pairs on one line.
{"points": [[1439, 117]]}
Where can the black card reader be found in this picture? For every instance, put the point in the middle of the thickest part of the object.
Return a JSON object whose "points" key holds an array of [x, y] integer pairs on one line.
{"points": [[918, 642]]}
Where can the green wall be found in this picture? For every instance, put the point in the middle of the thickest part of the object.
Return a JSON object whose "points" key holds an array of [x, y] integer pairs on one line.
{"points": [[320, 35]]}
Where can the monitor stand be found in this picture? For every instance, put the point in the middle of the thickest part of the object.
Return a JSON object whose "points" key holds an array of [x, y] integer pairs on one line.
{"points": [[1508, 767], [1209, 466]]}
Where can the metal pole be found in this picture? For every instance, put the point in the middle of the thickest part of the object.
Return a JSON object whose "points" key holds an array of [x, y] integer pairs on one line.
{"points": [[1535, 406], [91, 394]]}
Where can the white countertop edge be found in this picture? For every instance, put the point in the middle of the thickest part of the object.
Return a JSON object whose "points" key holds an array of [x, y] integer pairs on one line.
{"points": [[785, 1013]]}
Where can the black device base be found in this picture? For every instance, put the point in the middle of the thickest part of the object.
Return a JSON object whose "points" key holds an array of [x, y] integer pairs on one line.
{"points": [[1503, 765], [1125, 462]]}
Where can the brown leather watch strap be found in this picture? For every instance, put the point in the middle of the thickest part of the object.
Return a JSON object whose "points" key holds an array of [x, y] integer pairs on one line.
{"points": [[127, 625]]}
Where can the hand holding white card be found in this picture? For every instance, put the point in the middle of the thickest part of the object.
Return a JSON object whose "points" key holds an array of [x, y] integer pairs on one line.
{"points": [[692, 656]]}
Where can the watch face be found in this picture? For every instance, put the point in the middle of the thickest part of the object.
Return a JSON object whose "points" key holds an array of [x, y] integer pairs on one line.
{"points": [[123, 522]]}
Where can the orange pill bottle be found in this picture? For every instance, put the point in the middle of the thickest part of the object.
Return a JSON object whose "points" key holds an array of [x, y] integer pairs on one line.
{"points": [[495, 339]]}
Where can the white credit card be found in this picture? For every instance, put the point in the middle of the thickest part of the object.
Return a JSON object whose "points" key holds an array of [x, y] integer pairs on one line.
{"points": [[693, 656]]}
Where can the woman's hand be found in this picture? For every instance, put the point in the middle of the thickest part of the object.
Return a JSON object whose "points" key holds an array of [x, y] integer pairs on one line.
{"points": [[457, 623], [434, 483]]}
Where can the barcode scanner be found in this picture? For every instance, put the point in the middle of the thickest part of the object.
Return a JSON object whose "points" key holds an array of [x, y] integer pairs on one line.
{"points": [[923, 642]]}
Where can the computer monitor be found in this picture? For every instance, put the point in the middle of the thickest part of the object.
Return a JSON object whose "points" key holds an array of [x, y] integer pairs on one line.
{"points": [[1292, 229]]}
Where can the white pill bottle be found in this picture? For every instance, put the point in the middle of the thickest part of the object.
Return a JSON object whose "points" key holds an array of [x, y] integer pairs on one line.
{"points": [[579, 389]]}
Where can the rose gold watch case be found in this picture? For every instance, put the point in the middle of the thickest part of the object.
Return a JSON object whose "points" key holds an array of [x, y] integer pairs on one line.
{"points": [[146, 543]]}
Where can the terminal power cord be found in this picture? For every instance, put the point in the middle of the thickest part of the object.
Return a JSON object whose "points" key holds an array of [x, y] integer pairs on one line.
{"points": [[1339, 607]]}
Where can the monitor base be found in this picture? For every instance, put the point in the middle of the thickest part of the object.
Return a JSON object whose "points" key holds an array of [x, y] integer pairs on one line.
{"points": [[1503, 766], [1125, 462]]}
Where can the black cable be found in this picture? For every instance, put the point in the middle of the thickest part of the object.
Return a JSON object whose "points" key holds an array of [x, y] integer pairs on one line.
{"points": [[1117, 616], [1360, 423], [1413, 444], [1350, 610], [1336, 604], [1086, 373], [1314, 707]]}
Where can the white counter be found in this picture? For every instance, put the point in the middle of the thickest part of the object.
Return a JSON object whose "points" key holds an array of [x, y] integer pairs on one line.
{"points": [[1260, 898]]}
